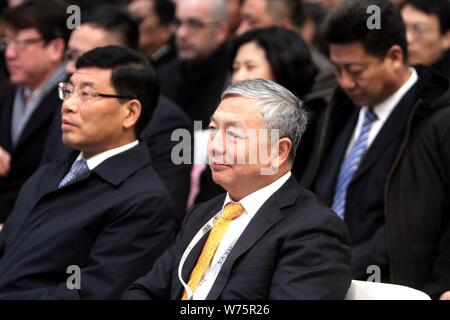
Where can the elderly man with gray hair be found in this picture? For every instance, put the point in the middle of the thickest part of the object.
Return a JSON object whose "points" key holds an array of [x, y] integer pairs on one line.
{"points": [[267, 237]]}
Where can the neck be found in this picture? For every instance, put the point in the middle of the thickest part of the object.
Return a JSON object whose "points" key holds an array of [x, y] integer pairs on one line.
{"points": [[35, 85]]}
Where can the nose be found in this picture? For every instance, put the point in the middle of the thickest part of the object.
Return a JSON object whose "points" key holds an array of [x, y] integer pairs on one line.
{"points": [[10, 52], [69, 105], [346, 82], [216, 144], [239, 74]]}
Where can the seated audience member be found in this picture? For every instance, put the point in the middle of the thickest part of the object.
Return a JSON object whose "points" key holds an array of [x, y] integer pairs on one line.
{"points": [[382, 159], [111, 25], [282, 56], [34, 38], [156, 34], [102, 210], [428, 33], [267, 237]]}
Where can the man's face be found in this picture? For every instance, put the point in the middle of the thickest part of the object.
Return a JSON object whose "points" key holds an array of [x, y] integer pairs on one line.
{"points": [[239, 149], [254, 14], [198, 34], [86, 38], [366, 79], [426, 44], [152, 34], [29, 60], [95, 125]]}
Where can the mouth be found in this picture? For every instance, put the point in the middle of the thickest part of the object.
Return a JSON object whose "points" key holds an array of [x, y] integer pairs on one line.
{"points": [[67, 125], [217, 166]]}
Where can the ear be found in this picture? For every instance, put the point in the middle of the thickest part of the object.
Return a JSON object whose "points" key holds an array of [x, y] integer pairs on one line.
{"points": [[56, 48], [284, 149], [397, 57], [132, 111], [223, 32], [446, 40]]}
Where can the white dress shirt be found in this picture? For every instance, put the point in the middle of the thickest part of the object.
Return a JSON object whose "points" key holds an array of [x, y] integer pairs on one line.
{"points": [[96, 160], [383, 111], [251, 204]]}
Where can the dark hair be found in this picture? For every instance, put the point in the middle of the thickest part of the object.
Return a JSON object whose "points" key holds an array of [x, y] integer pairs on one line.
{"points": [[165, 10], [347, 23], [47, 17], [114, 19], [131, 75], [438, 8], [288, 56]]}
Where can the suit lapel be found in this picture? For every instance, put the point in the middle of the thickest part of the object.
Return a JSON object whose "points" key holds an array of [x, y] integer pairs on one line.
{"points": [[389, 133], [42, 114], [266, 217]]}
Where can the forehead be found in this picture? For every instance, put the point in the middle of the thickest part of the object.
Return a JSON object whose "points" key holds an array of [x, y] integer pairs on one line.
{"points": [[256, 7], [411, 14], [94, 77], [349, 53], [28, 32], [237, 110], [198, 9]]}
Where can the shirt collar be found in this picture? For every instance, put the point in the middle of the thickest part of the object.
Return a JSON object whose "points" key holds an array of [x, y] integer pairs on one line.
{"points": [[96, 160], [254, 201], [384, 109]]}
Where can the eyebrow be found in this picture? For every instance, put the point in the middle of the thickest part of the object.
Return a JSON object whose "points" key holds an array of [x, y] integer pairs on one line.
{"points": [[227, 122]]}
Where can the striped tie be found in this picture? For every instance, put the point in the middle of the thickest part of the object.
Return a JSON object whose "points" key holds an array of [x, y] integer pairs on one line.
{"points": [[230, 211], [350, 164], [77, 170]]}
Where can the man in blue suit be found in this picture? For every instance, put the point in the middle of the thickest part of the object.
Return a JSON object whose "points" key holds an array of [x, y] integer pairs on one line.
{"points": [[267, 237], [102, 210]]}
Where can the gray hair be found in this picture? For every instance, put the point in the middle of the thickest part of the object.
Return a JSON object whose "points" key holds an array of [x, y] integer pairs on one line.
{"points": [[280, 108]]}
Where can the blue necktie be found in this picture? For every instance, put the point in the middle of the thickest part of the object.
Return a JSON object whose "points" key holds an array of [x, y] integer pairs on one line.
{"points": [[77, 170], [350, 164]]}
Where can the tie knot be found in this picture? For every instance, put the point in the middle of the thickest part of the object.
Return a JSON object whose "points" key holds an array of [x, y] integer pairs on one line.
{"points": [[371, 116], [232, 211]]}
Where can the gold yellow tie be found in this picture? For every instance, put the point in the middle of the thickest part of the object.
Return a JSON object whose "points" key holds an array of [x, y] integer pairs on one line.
{"points": [[230, 211]]}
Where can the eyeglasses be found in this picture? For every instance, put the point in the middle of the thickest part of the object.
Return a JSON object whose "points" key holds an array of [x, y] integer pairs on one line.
{"points": [[84, 93], [418, 30], [18, 44], [193, 25]]}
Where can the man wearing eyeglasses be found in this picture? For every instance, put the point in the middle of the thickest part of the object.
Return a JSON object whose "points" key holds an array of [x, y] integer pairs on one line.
{"points": [[87, 226], [34, 40], [197, 78], [428, 33]]}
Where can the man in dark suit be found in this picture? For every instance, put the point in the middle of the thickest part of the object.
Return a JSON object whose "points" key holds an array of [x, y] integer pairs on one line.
{"points": [[267, 238], [35, 37], [102, 214], [112, 25], [381, 110]]}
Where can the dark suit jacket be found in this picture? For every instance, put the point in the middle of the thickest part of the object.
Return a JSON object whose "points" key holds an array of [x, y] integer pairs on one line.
{"points": [[112, 222], [293, 248], [26, 155], [166, 118]]}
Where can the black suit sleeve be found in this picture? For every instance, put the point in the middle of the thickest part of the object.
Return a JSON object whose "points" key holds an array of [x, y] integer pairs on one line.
{"points": [[314, 261]]}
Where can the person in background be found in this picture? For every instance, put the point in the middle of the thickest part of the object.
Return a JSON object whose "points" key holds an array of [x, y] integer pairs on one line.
{"points": [[34, 38], [381, 162], [428, 33]]}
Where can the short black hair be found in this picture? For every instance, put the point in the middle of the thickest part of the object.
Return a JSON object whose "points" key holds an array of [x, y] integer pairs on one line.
{"points": [[47, 17], [114, 19], [347, 23], [131, 75], [438, 8], [288, 55], [165, 11]]}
